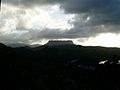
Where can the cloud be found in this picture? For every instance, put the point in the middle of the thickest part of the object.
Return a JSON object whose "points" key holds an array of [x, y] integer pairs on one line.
{"points": [[93, 16], [107, 10], [26, 25], [100, 6], [58, 19], [100, 11], [29, 3]]}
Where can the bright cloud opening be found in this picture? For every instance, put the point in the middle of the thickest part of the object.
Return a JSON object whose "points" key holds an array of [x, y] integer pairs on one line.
{"points": [[106, 40]]}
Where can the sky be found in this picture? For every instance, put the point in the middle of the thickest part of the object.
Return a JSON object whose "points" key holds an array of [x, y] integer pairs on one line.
{"points": [[86, 22]]}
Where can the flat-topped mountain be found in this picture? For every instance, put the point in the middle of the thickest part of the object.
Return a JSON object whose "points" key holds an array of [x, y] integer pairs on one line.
{"points": [[59, 43]]}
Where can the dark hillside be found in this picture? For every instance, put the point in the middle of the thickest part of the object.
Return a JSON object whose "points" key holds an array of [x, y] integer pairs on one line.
{"points": [[67, 67]]}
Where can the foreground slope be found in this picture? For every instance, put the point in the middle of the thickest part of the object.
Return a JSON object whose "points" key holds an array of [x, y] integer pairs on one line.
{"points": [[68, 67]]}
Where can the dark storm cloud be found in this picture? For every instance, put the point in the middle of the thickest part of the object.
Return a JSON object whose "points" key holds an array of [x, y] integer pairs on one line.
{"points": [[100, 11], [98, 6], [93, 16]]}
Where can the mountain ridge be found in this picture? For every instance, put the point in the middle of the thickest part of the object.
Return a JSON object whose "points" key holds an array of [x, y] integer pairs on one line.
{"points": [[85, 54]]}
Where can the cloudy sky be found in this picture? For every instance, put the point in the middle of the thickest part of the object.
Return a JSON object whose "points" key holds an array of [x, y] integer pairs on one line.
{"points": [[86, 22]]}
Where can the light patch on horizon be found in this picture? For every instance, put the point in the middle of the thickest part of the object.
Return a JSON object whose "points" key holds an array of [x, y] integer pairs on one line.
{"points": [[106, 40]]}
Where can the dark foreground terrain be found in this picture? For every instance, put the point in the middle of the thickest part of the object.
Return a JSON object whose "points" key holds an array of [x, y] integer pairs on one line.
{"points": [[69, 67]]}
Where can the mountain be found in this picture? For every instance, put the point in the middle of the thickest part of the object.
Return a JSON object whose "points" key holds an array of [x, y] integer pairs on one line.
{"points": [[59, 43], [60, 53], [14, 45], [2, 45]]}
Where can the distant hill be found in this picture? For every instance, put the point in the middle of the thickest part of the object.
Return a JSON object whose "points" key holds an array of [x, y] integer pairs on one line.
{"points": [[17, 45], [2, 45]]}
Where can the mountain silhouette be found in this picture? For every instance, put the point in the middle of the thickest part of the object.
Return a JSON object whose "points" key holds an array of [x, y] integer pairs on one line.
{"points": [[2, 45]]}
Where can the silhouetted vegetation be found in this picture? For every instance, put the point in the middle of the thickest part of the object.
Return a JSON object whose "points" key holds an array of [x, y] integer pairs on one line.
{"points": [[69, 67]]}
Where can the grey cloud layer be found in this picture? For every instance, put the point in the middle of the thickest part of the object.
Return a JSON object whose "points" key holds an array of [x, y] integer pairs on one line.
{"points": [[100, 11], [28, 3]]}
